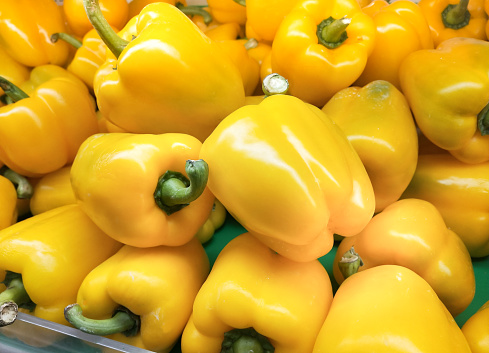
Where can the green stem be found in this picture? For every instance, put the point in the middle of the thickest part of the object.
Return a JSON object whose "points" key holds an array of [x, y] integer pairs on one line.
{"points": [[483, 120], [350, 263], [12, 298], [240, 2], [67, 38], [115, 43], [251, 44], [245, 341], [174, 191], [11, 90], [456, 16], [331, 32], [123, 322], [195, 10], [23, 187], [275, 84]]}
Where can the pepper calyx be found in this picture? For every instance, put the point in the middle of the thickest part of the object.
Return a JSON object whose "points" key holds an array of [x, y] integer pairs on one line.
{"points": [[483, 120], [332, 32], [456, 16], [349, 263], [244, 341]]}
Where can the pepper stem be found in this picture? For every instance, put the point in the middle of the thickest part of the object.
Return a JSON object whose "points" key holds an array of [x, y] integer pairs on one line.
{"points": [[123, 322], [251, 44], [11, 298], [115, 43], [67, 38], [483, 120], [456, 16], [240, 2], [275, 84], [350, 263], [11, 90], [174, 191], [245, 341], [23, 187], [331, 32], [194, 10]]}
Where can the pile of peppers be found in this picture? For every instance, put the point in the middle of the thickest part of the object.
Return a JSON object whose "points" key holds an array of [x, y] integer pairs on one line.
{"points": [[132, 131]]}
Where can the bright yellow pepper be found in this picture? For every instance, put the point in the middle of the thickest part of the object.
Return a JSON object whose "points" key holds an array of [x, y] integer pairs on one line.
{"points": [[181, 80], [378, 123], [412, 233], [228, 11], [454, 18], [116, 12], [51, 191], [214, 222], [401, 28], [155, 287], [447, 89], [25, 30], [48, 256], [135, 187], [322, 47], [12, 70], [460, 192], [242, 302], [135, 6], [300, 179], [387, 309], [41, 132], [263, 18], [8, 203], [476, 330]]}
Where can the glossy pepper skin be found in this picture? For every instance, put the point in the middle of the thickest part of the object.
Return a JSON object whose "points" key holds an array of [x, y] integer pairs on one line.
{"points": [[316, 71], [157, 284], [378, 123], [300, 180], [214, 222], [405, 315], [8, 203], [476, 331], [448, 95], [245, 289], [116, 12], [401, 28], [25, 30], [469, 22], [42, 133], [227, 11], [433, 251], [152, 75], [460, 192], [54, 252], [136, 6], [51, 191], [114, 178], [12, 70]]}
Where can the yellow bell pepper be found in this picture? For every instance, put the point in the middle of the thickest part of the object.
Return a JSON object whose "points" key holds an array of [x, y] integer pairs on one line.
{"points": [[476, 330], [401, 28], [447, 89], [322, 47], [378, 123], [169, 78], [25, 30], [214, 222], [134, 187], [412, 233], [41, 132], [116, 12], [90, 54], [135, 6], [460, 192], [387, 309], [47, 257], [12, 70], [454, 18], [8, 203], [142, 297], [220, 32], [263, 18], [300, 180], [52, 190], [242, 303], [228, 11]]}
